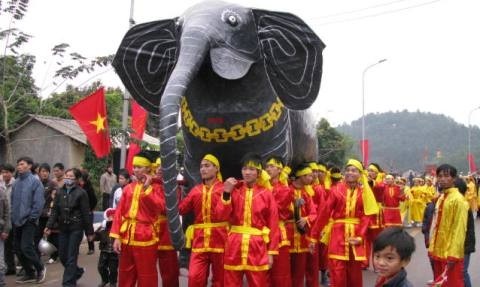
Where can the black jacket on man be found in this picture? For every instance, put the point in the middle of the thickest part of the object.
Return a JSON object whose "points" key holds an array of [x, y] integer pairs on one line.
{"points": [[71, 211]]}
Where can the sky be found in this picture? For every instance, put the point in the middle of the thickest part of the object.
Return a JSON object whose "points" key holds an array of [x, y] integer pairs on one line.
{"points": [[431, 47]]}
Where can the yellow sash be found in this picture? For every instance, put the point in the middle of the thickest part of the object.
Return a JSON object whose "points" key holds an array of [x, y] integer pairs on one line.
{"points": [[252, 231], [190, 230]]}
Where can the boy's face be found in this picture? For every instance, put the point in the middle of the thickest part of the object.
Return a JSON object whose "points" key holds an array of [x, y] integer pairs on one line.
{"points": [[445, 180], [387, 262]]}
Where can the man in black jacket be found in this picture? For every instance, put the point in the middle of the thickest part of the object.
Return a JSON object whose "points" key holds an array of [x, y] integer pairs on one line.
{"points": [[71, 211]]}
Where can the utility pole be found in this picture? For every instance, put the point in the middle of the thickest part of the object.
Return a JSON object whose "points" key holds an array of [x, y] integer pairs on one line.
{"points": [[126, 100]]}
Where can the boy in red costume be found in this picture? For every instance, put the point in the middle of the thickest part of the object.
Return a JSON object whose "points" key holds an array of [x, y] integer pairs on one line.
{"points": [[349, 205], [133, 227], [280, 273], [392, 196], [207, 236], [253, 238]]}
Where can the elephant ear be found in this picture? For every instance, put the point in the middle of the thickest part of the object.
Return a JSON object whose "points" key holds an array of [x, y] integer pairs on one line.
{"points": [[293, 57], [145, 59]]}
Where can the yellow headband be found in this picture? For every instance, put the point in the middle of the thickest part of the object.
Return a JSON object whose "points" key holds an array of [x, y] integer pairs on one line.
{"points": [[141, 161], [374, 168], [321, 167], [355, 163], [253, 164], [275, 163], [214, 160], [263, 179], [157, 163], [283, 178], [313, 165], [336, 175], [303, 171]]}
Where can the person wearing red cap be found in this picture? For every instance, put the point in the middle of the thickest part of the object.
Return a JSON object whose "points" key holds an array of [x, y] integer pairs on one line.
{"points": [[207, 236], [167, 255], [133, 227], [253, 238], [280, 273]]}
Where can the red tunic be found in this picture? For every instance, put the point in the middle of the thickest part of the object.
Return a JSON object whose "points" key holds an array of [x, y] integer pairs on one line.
{"points": [[209, 231], [391, 206], [254, 229], [376, 219], [299, 243], [137, 213], [345, 207], [284, 199]]}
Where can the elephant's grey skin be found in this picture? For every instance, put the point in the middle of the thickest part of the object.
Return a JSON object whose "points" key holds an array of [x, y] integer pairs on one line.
{"points": [[230, 64]]}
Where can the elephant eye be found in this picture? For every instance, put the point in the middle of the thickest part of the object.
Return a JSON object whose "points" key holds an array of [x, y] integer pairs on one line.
{"points": [[231, 18]]}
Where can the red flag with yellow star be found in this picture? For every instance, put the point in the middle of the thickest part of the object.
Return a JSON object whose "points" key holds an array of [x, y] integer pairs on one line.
{"points": [[91, 115]]}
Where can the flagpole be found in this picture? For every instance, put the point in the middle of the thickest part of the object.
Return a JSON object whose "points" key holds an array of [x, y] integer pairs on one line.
{"points": [[126, 99]]}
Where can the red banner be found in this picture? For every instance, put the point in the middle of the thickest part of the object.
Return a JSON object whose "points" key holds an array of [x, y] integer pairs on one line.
{"points": [[138, 123], [471, 163], [91, 115], [364, 150]]}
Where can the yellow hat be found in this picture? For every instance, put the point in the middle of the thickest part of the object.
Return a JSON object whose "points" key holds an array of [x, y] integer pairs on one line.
{"points": [[214, 160], [139, 160]]}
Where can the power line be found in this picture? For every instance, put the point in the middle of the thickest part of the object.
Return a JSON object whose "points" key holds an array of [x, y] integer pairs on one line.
{"points": [[358, 10], [375, 14]]}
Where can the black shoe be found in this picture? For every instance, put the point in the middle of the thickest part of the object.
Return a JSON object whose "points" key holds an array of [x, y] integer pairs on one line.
{"points": [[41, 275], [80, 272], [11, 272], [90, 252], [113, 285], [26, 279]]}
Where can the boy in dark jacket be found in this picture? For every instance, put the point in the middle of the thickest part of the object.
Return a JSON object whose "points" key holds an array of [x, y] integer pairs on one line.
{"points": [[108, 260], [392, 251]]}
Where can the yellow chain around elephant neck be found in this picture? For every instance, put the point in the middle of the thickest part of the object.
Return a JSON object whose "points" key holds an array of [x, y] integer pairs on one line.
{"points": [[251, 127]]}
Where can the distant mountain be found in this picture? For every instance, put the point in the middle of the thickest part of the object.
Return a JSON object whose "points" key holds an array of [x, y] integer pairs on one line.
{"points": [[400, 141]]}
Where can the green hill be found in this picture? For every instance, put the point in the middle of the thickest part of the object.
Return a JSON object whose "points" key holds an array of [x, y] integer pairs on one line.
{"points": [[411, 140]]}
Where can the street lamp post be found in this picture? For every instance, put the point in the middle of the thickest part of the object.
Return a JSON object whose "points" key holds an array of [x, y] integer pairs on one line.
{"points": [[470, 138], [363, 105]]}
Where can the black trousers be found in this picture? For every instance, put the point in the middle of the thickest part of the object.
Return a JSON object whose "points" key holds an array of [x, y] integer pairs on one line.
{"points": [[25, 249], [108, 266], [9, 252], [105, 201]]}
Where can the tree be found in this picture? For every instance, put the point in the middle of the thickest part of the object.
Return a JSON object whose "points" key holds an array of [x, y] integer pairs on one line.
{"points": [[333, 147]]}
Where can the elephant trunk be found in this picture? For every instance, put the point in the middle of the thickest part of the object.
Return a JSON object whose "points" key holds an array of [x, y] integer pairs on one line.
{"points": [[192, 53]]}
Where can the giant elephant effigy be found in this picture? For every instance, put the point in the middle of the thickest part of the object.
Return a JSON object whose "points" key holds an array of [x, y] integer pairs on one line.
{"points": [[241, 78]]}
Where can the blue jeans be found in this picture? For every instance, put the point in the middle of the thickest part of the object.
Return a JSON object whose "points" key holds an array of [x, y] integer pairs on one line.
{"points": [[466, 276], [25, 249], [68, 245]]}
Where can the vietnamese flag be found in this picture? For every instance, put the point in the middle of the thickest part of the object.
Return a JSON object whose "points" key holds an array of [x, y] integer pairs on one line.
{"points": [[138, 123], [91, 115]]}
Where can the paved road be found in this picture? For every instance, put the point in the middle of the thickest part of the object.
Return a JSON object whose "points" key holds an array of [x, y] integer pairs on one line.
{"points": [[419, 270]]}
